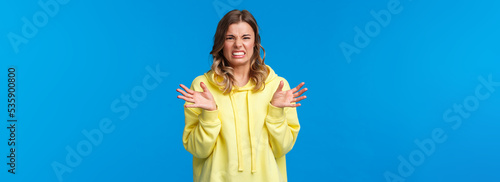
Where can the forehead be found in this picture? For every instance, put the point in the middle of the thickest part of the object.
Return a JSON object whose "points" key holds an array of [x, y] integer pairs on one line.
{"points": [[240, 28]]}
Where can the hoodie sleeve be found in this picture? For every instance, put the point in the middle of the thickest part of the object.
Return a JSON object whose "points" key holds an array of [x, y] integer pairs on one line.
{"points": [[283, 126], [202, 127]]}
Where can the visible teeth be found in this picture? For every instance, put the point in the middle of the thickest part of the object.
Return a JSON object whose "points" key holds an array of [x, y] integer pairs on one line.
{"points": [[238, 53]]}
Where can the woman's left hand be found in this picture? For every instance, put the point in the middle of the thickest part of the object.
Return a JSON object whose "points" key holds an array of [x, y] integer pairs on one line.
{"points": [[285, 98]]}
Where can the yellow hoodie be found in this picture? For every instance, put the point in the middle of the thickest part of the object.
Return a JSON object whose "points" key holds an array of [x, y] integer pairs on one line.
{"points": [[245, 139]]}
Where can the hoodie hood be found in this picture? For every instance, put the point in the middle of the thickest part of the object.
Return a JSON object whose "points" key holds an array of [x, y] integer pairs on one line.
{"points": [[248, 88]]}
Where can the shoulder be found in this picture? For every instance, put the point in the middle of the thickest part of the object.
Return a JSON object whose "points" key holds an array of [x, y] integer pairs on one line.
{"points": [[286, 85], [208, 80], [273, 78], [274, 83], [195, 85], [200, 78]]}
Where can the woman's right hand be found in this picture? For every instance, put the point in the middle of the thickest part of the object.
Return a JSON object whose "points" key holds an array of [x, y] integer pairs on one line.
{"points": [[203, 100]]}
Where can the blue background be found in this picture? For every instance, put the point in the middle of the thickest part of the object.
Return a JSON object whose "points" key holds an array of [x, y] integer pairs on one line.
{"points": [[360, 115]]}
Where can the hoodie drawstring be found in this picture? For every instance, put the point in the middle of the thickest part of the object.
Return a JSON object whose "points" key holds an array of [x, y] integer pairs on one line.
{"points": [[238, 141], [252, 148], [238, 138]]}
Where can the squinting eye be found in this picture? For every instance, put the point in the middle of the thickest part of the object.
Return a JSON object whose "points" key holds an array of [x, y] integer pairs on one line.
{"points": [[246, 37], [229, 38]]}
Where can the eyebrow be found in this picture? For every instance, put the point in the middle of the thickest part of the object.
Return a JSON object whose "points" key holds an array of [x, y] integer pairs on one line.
{"points": [[242, 36]]}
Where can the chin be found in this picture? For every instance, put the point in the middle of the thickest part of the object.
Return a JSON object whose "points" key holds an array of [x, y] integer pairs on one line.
{"points": [[238, 61]]}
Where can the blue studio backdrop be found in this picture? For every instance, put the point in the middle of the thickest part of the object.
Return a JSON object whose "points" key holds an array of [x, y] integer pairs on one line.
{"points": [[399, 90]]}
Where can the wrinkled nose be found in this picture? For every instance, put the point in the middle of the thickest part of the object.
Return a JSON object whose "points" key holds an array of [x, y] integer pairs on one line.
{"points": [[238, 43]]}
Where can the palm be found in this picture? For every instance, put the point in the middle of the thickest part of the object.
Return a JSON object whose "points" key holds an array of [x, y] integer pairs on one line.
{"points": [[203, 100], [285, 98]]}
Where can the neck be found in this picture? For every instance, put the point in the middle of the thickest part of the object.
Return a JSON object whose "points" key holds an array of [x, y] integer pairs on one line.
{"points": [[241, 74]]}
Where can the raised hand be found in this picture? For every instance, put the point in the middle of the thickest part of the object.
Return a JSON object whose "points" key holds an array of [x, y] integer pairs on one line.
{"points": [[203, 100], [285, 98]]}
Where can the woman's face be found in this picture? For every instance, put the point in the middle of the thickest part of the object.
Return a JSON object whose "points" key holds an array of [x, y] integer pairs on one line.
{"points": [[239, 44]]}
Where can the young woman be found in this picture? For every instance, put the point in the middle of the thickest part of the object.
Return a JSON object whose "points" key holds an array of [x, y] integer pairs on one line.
{"points": [[240, 116]]}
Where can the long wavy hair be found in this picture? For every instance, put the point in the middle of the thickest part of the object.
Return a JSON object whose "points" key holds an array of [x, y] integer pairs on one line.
{"points": [[223, 71]]}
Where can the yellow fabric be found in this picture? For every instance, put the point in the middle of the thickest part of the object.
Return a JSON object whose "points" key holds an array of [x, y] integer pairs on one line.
{"points": [[245, 139], [241, 115]]}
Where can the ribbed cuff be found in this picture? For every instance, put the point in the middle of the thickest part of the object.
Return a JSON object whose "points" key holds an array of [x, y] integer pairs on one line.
{"points": [[209, 117], [275, 114]]}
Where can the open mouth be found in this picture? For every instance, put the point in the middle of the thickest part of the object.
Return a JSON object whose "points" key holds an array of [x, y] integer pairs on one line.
{"points": [[238, 54]]}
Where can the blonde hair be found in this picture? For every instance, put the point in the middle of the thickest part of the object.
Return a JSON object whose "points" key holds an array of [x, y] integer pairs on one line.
{"points": [[221, 67]]}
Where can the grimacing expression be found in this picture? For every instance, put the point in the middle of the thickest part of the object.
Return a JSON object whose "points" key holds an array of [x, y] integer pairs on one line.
{"points": [[239, 43]]}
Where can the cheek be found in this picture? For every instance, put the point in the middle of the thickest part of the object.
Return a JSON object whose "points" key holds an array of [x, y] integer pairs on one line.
{"points": [[226, 46], [250, 47], [226, 49]]}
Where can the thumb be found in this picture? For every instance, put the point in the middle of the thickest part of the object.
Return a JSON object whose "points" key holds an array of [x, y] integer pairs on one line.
{"points": [[204, 87], [280, 87]]}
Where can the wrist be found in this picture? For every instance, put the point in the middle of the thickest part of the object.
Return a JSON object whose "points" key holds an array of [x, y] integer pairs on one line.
{"points": [[273, 104], [213, 108]]}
